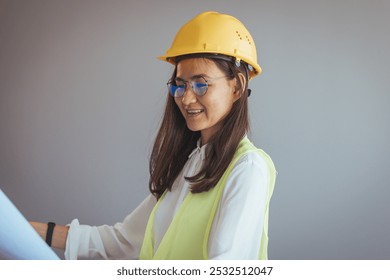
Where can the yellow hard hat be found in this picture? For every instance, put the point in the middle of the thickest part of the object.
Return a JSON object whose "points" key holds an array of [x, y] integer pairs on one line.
{"points": [[212, 32]]}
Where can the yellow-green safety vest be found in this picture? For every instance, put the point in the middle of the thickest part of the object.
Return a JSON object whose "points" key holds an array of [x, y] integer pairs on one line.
{"points": [[187, 236]]}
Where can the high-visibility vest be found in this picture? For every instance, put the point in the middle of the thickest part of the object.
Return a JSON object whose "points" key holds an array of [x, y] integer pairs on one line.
{"points": [[187, 236]]}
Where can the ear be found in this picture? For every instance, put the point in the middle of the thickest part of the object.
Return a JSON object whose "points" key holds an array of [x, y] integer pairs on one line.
{"points": [[239, 85]]}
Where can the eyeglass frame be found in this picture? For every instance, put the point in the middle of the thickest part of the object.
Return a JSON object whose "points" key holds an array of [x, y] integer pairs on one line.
{"points": [[172, 83]]}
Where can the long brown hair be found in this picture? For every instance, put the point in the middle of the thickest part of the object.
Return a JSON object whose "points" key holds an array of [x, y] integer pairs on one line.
{"points": [[174, 141]]}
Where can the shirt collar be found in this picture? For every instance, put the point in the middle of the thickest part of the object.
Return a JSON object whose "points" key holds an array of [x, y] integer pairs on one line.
{"points": [[199, 150]]}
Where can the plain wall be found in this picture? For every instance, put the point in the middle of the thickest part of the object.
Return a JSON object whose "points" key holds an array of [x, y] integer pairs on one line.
{"points": [[82, 93]]}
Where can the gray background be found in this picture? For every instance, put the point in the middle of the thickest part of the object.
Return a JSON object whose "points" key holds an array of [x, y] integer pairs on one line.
{"points": [[81, 97]]}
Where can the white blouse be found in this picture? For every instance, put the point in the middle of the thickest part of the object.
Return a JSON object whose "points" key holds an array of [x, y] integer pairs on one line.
{"points": [[236, 229]]}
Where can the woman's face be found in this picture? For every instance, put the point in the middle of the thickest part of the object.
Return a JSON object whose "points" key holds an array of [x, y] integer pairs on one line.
{"points": [[204, 113]]}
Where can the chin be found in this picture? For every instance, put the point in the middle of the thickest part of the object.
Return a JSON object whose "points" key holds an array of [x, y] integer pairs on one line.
{"points": [[194, 128]]}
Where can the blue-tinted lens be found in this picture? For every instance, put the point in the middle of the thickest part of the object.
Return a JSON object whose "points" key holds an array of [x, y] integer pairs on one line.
{"points": [[199, 88], [176, 91]]}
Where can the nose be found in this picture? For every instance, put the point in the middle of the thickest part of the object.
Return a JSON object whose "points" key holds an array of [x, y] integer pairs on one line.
{"points": [[189, 96]]}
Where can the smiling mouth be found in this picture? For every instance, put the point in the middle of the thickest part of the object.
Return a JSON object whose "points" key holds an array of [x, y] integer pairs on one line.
{"points": [[193, 113]]}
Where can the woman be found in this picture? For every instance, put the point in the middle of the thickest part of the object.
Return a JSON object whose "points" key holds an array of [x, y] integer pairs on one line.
{"points": [[210, 187]]}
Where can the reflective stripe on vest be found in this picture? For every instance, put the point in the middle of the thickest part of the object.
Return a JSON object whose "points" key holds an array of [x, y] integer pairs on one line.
{"points": [[187, 236]]}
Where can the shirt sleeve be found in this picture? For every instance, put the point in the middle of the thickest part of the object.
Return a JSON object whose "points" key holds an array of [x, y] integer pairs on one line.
{"points": [[238, 223], [121, 241]]}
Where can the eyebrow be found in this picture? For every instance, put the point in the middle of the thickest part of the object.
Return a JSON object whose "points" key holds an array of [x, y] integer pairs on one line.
{"points": [[194, 77]]}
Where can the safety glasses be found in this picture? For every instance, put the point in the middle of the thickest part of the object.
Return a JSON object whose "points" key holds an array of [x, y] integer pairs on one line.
{"points": [[199, 86]]}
